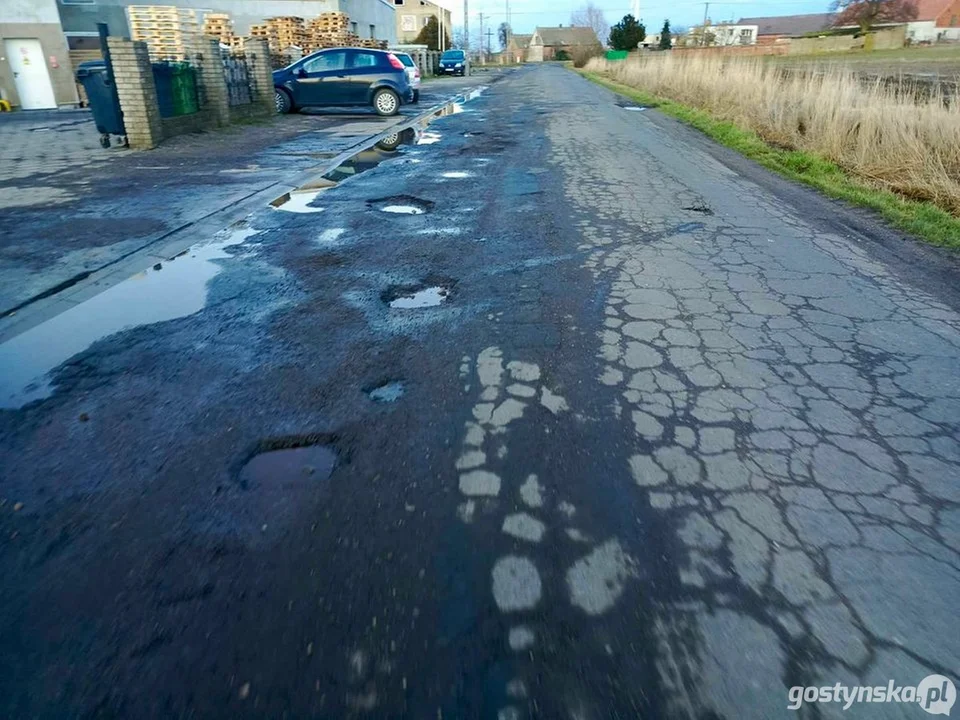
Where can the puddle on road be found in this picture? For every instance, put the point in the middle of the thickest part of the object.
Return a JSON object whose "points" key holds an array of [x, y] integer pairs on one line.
{"points": [[456, 175], [689, 227], [297, 202], [301, 199], [633, 108], [401, 205], [307, 463], [386, 392], [416, 297], [177, 289]]}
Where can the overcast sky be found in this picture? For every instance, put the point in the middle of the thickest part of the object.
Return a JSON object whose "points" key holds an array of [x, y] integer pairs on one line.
{"points": [[527, 14]]}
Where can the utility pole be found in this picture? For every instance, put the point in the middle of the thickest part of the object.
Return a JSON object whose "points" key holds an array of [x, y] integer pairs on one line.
{"points": [[703, 28], [489, 33], [481, 38], [466, 34]]}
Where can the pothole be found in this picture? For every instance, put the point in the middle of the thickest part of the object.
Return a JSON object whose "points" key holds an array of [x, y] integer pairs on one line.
{"points": [[456, 175], [386, 392], [401, 205], [415, 297], [689, 227], [633, 108], [304, 463], [699, 209]]}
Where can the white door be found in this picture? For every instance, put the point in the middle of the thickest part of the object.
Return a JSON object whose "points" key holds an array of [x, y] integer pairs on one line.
{"points": [[30, 74]]}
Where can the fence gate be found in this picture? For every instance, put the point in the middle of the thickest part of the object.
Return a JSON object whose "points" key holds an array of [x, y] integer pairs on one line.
{"points": [[236, 74]]}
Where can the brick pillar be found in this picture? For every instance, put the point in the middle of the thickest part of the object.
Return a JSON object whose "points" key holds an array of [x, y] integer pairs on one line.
{"points": [[214, 83], [138, 94], [260, 73]]}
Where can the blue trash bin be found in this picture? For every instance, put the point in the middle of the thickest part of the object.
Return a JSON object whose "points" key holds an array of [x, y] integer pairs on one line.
{"points": [[104, 102]]}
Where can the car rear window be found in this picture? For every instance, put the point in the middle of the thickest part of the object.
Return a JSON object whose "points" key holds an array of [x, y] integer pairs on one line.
{"points": [[406, 60]]}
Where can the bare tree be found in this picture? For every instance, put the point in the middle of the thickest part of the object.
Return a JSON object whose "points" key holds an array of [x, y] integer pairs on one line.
{"points": [[592, 17], [867, 13]]}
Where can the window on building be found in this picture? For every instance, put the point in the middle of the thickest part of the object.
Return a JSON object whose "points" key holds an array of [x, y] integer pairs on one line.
{"points": [[398, 2], [353, 28], [373, 31], [424, 21]]}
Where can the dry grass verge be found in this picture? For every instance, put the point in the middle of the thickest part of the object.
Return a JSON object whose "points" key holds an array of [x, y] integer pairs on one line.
{"points": [[891, 139]]}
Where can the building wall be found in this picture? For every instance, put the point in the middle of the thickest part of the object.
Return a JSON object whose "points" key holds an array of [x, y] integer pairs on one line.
{"points": [[81, 19], [929, 32], [950, 18], [39, 20], [420, 12]]}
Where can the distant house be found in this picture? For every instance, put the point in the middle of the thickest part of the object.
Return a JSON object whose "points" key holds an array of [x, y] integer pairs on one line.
{"points": [[516, 50], [771, 30], [936, 21], [547, 42], [413, 15], [723, 35]]}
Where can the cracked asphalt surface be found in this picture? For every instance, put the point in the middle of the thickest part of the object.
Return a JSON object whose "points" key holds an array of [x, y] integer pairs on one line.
{"points": [[669, 437]]}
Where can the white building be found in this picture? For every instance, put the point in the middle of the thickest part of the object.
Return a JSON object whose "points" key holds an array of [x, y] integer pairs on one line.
{"points": [[726, 34]]}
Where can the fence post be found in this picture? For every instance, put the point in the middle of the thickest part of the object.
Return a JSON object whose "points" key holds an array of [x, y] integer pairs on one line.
{"points": [[214, 82], [260, 73], [137, 92]]}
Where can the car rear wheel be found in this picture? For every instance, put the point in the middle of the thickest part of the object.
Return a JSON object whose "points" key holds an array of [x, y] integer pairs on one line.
{"points": [[386, 102], [282, 101]]}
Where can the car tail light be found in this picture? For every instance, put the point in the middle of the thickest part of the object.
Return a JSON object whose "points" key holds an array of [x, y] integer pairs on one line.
{"points": [[416, 73], [395, 61]]}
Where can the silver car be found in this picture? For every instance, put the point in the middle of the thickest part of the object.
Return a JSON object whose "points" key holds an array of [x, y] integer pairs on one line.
{"points": [[413, 73]]}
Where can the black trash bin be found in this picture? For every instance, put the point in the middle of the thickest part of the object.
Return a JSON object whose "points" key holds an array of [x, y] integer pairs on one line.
{"points": [[104, 102]]}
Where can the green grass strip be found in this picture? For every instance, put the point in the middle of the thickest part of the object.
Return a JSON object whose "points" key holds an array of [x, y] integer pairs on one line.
{"points": [[925, 220]]}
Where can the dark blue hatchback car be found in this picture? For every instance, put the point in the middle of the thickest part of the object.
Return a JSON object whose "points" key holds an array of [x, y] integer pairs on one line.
{"points": [[343, 77]]}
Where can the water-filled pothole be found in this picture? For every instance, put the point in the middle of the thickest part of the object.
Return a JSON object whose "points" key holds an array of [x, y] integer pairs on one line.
{"points": [[386, 392], [401, 205], [415, 297], [456, 174], [306, 463], [699, 209]]}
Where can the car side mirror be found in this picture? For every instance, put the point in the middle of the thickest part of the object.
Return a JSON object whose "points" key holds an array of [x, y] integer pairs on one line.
{"points": [[301, 72]]}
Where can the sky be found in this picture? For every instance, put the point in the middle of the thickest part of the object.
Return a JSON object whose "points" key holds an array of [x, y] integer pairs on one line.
{"points": [[527, 14]]}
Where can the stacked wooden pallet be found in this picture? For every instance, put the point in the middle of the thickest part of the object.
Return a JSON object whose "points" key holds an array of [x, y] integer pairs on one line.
{"points": [[171, 33], [329, 30], [373, 44], [219, 26], [281, 32]]}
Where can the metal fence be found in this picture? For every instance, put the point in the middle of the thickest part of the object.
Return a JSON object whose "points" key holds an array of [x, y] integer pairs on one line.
{"points": [[237, 75]]}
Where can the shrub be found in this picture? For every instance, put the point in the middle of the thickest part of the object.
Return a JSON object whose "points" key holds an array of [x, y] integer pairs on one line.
{"points": [[582, 54]]}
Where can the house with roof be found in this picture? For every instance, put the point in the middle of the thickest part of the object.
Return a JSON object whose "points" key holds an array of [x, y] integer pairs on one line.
{"points": [[516, 50], [771, 30], [547, 42], [936, 21]]}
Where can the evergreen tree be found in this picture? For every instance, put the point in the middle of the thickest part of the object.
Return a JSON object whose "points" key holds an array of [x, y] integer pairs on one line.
{"points": [[665, 40], [627, 34], [430, 35]]}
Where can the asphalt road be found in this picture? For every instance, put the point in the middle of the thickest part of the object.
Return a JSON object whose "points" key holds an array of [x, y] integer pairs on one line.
{"points": [[558, 411]]}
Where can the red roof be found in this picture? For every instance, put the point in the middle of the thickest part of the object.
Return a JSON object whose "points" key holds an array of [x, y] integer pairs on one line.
{"points": [[931, 9]]}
